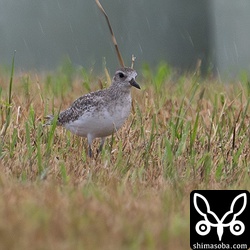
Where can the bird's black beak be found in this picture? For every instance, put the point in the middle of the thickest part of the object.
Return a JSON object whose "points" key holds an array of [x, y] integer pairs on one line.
{"points": [[134, 83]]}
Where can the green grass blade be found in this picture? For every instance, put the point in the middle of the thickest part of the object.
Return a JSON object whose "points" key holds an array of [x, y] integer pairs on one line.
{"points": [[194, 132], [8, 108]]}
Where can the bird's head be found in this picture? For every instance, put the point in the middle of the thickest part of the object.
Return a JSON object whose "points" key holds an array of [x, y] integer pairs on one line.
{"points": [[125, 78]]}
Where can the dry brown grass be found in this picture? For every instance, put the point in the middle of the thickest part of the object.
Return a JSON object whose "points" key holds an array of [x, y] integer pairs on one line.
{"points": [[183, 134]]}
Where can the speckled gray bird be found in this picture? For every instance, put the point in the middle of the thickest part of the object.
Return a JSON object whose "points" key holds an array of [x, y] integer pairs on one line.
{"points": [[101, 113]]}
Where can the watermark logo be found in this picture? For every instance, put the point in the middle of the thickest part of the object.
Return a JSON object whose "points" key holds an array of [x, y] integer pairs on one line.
{"points": [[203, 227], [219, 219]]}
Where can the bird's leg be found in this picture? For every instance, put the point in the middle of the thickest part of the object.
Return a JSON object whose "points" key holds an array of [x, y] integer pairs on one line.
{"points": [[90, 139], [90, 151], [101, 145]]}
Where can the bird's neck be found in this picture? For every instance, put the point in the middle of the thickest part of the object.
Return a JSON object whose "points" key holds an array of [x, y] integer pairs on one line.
{"points": [[117, 89]]}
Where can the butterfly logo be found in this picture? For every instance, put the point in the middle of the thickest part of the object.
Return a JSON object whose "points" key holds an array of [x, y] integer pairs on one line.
{"points": [[203, 227]]}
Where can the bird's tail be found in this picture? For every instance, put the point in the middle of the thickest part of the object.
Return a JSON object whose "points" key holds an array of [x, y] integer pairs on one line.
{"points": [[49, 120]]}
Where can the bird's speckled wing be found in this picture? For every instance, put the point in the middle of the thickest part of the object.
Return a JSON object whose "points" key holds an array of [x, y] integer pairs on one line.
{"points": [[84, 104]]}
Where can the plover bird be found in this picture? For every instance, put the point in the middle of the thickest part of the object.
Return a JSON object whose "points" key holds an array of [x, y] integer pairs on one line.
{"points": [[99, 114]]}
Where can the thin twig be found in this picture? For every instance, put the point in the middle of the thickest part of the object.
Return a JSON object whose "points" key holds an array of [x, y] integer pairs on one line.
{"points": [[133, 61], [112, 34]]}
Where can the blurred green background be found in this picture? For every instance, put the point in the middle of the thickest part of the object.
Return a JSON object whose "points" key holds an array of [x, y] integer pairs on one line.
{"points": [[179, 32]]}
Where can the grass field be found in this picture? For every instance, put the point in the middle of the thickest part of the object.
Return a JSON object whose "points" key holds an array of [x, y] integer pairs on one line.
{"points": [[184, 133]]}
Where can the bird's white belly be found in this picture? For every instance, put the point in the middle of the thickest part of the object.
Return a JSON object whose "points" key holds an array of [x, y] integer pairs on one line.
{"points": [[99, 124]]}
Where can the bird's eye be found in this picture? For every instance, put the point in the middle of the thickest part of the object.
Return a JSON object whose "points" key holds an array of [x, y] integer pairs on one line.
{"points": [[121, 75]]}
